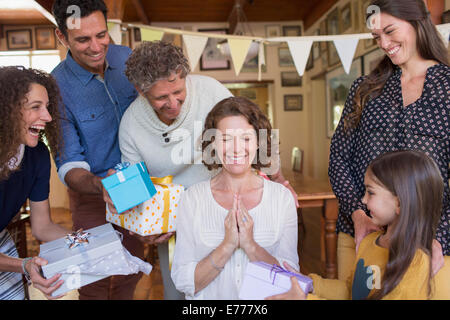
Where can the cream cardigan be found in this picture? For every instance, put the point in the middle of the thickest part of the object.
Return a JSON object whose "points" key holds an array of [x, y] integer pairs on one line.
{"points": [[174, 149]]}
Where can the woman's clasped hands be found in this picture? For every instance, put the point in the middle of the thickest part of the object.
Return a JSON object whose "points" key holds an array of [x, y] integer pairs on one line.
{"points": [[239, 227]]}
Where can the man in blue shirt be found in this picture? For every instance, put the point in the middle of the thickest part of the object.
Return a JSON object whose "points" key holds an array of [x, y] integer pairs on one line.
{"points": [[95, 94]]}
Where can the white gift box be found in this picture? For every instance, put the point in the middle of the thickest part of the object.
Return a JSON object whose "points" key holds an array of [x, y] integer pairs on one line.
{"points": [[262, 280], [85, 263]]}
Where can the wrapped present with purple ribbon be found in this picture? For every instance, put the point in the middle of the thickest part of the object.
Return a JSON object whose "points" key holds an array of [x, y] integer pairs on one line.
{"points": [[262, 280], [83, 257]]}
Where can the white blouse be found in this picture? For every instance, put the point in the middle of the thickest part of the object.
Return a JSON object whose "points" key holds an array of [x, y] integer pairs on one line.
{"points": [[200, 229]]}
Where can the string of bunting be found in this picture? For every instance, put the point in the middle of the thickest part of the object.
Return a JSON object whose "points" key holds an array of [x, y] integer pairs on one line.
{"points": [[299, 47]]}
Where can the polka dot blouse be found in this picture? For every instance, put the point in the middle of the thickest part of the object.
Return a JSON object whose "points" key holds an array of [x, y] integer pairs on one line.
{"points": [[385, 126]]}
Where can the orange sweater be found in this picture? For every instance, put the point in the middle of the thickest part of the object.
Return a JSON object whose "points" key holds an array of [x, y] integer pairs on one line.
{"points": [[364, 279]]}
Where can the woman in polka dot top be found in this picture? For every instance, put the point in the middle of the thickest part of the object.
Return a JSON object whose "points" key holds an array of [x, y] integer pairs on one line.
{"points": [[402, 105]]}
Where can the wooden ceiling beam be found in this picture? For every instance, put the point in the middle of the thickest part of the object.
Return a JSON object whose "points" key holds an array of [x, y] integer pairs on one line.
{"points": [[116, 9], [46, 4], [317, 12], [141, 11]]}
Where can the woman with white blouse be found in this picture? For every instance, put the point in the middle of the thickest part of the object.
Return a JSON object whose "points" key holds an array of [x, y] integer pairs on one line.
{"points": [[237, 216]]}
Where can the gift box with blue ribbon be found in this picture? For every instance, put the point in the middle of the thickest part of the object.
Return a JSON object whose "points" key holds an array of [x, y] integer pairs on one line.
{"points": [[129, 186], [83, 257], [262, 280]]}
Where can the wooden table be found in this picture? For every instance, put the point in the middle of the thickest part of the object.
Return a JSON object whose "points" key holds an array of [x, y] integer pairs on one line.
{"points": [[313, 193]]}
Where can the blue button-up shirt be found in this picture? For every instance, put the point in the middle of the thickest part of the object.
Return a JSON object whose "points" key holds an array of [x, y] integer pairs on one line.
{"points": [[91, 111]]}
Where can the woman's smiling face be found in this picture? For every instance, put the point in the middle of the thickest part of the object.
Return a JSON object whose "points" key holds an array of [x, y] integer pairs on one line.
{"points": [[396, 37], [236, 144], [35, 114]]}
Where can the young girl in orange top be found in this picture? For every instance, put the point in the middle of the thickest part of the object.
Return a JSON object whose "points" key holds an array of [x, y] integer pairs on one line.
{"points": [[404, 195]]}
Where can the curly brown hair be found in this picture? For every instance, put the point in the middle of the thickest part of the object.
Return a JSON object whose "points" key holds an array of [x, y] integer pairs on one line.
{"points": [[238, 106], [153, 61], [15, 83]]}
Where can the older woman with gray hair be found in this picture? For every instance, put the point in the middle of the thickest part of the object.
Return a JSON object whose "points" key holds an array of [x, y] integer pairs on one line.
{"points": [[163, 125]]}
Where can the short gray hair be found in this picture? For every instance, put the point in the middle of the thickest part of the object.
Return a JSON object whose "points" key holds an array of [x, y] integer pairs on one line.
{"points": [[155, 60]]}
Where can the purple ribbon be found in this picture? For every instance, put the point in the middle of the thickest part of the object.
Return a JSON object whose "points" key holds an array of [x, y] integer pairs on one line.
{"points": [[277, 269], [76, 238]]}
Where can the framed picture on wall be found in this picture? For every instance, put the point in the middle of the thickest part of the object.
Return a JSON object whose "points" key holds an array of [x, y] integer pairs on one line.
{"points": [[346, 17], [315, 51], [137, 35], [293, 102], [333, 56], [290, 79], [297, 159], [19, 39], [273, 31], [126, 37], [371, 60], [45, 38], [284, 57], [292, 31], [323, 31], [212, 58], [251, 65], [338, 84], [332, 29]]}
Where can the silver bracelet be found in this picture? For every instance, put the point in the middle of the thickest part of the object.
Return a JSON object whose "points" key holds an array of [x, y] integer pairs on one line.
{"points": [[213, 264], [25, 272]]}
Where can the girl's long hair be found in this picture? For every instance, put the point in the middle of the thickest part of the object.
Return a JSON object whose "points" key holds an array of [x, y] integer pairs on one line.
{"points": [[429, 45], [415, 180], [15, 83]]}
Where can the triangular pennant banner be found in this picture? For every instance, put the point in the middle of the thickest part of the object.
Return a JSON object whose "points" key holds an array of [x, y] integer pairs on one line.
{"points": [[300, 50], [115, 32], [194, 48], [444, 30], [151, 34], [261, 59], [238, 49], [346, 50]]}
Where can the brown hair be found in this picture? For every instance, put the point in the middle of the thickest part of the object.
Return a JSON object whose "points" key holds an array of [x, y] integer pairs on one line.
{"points": [[429, 45], [415, 180], [237, 106], [15, 83]]}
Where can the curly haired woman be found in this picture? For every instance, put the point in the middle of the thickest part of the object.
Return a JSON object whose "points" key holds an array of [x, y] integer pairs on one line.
{"points": [[28, 103]]}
